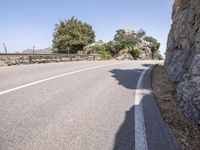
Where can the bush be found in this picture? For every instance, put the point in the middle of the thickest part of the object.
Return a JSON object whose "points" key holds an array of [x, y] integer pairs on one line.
{"points": [[113, 47], [98, 49], [136, 53]]}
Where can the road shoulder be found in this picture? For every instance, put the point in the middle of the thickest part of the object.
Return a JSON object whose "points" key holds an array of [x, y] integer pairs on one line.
{"points": [[157, 131], [187, 134]]}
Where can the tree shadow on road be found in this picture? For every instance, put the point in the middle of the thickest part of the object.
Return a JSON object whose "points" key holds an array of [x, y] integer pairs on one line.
{"points": [[125, 136], [127, 78]]}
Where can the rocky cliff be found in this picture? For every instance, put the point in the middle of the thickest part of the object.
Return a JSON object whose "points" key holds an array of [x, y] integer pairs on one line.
{"points": [[182, 63]]}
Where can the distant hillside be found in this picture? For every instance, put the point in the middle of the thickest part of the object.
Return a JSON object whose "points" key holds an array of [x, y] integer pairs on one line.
{"points": [[39, 51]]}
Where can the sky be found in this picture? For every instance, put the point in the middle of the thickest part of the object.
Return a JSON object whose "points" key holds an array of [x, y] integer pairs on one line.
{"points": [[28, 23]]}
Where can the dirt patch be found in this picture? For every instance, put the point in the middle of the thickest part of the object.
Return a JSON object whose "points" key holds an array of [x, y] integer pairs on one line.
{"points": [[186, 133], [2, 64]]}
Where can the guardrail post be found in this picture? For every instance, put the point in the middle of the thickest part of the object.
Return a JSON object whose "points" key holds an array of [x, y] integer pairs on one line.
{"points": [[30, 59], [94, 58], [70, 58], [5, 48]]}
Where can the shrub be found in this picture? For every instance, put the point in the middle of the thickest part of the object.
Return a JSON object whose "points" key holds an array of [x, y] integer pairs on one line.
{"points": [[136, 53]]}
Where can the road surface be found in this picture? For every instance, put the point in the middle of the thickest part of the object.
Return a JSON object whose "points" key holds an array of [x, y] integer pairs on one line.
{"points": [[80, 106]]}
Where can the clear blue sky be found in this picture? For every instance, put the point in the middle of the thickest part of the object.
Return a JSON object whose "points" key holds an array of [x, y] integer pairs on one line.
{"points": [[24, 23]]}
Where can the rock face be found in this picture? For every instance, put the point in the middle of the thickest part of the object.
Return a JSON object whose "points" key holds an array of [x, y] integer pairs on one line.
{"points": [[182, 63]]}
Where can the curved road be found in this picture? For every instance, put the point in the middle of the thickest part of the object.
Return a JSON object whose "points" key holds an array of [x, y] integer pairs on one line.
{"points": [[80, 106]]}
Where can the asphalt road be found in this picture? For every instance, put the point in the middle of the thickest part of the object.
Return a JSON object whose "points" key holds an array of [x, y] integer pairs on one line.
{"points": [[79, 106]]}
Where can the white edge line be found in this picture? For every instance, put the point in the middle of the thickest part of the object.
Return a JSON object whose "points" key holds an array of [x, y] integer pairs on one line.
{"points": [[54, 77], [140, 133]]}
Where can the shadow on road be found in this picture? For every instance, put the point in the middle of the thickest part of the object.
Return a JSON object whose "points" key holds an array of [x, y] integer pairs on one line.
{"points": [[146, 65], [125, 136], [127, 78]]}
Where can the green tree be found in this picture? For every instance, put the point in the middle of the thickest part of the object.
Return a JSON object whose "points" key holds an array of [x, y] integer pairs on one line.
{"points": [[72, 35], [126, 40], [155, 45]]}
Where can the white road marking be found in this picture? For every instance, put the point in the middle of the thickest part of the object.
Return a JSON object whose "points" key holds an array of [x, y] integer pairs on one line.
{"points": [[55, 77], [140, 134]]}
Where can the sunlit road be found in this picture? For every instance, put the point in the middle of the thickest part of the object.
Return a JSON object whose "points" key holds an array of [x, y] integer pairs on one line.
{"points": [[77, 106]]}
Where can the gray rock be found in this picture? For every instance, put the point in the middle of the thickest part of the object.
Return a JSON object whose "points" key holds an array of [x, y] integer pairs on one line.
{"points": [[125, 56], [146, 53], [182, 63]]}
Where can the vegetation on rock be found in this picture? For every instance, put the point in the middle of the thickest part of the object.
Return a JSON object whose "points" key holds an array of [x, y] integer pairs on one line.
{"points": [[72, 35], [136, 53], [154, 44], [126, 41]]}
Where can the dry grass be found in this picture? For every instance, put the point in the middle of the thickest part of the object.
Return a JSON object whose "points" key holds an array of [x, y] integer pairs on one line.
{"points": [[186, 133]]}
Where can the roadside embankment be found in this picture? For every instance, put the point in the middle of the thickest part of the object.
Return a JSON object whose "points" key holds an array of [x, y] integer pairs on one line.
{"points": [[186, 133], [18, 59]]}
